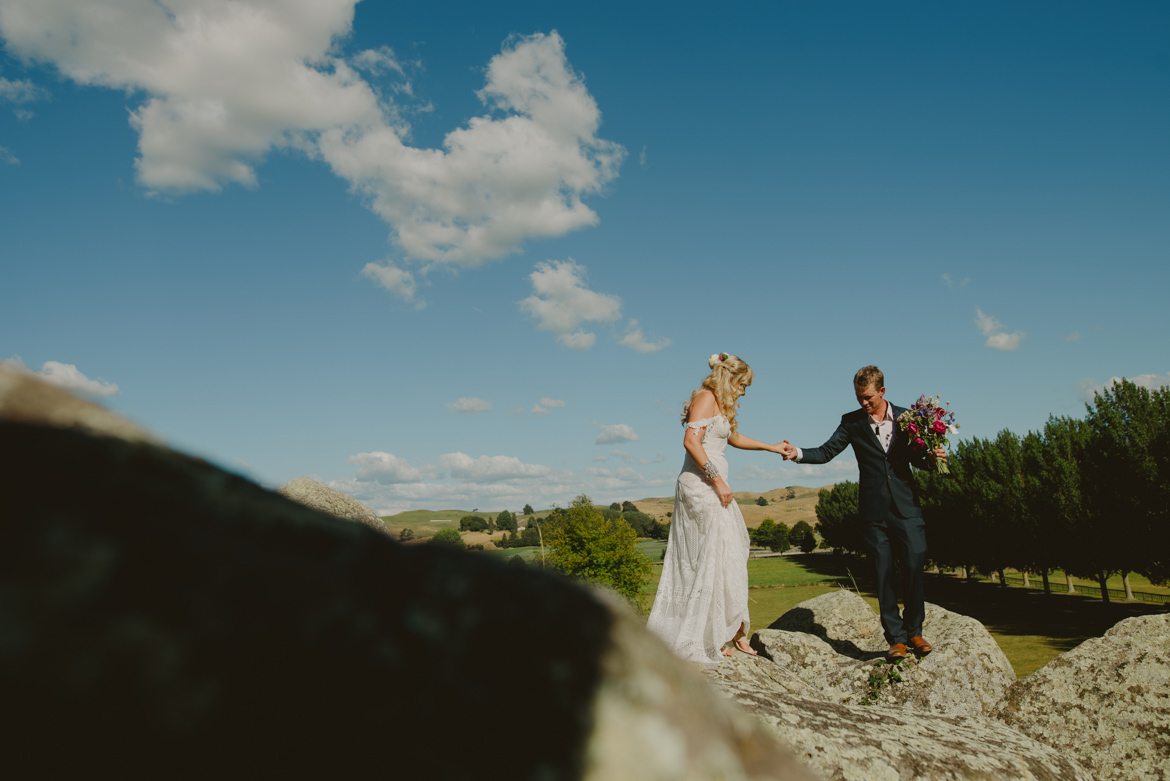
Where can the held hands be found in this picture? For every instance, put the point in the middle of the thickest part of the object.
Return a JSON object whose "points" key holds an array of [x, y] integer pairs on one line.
{"points": [[786, 449]]}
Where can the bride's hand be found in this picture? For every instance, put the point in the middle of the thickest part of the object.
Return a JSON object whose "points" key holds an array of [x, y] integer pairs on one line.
{"points": [[724, 493]]}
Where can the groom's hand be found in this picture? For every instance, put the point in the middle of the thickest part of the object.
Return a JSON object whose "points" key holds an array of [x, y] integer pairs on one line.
{"points": [[938, 454]]}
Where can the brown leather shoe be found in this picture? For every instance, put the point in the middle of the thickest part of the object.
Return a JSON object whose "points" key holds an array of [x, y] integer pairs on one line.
{"points": [[920, 646], [896, 653]]}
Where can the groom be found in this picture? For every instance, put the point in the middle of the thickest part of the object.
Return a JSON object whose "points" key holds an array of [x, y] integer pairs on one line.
{"points": [[889, 504]]}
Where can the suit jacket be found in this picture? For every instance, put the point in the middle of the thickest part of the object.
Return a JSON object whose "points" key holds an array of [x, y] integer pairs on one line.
{"points": [[886, 482]]}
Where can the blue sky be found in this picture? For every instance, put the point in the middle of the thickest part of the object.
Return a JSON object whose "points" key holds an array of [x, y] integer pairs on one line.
{"points": [[445, 255]]}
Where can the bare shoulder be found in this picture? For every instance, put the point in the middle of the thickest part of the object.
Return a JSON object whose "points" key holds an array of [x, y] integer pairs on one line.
{"points": [[704, 406]]}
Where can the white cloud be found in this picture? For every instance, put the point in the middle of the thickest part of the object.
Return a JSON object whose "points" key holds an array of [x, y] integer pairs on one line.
{"points": [[20, 90], [388, 468], [1087, 386], [398, 281], [464, 467], [8, 158], [545, 406], [642, 157], [600, 458], [64, 375], [517, 411], [561, 302], [518, 173], [951, 282], [23, 114], [469, 404], [788, 472], [636, 341], [997, 336], [1075, 336], [227, 81], [616, 432], [377, 61]]}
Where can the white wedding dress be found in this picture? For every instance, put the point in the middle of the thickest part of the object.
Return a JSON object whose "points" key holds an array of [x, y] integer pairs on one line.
{"points": [[703, 595]]}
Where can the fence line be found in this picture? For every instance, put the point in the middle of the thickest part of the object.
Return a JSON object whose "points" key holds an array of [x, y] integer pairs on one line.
{"points": [[1095, 591]]}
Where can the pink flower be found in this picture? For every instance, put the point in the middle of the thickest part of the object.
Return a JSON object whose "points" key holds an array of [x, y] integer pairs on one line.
{"points": [[919, 444], [940, 427], [912, 428], [939, 412]]}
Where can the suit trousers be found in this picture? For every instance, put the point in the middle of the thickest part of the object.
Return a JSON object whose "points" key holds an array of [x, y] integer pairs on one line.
{"points": [[906, 539]]}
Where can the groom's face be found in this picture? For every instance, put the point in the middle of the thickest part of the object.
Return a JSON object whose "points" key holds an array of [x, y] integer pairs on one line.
{"points": [[870, 398]]}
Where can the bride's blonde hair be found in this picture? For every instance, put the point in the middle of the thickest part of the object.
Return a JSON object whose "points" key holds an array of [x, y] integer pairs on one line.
{"points": [[727, 372]]}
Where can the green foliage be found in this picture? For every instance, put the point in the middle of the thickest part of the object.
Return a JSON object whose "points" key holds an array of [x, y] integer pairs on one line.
{"points": [[771, 535], [809, 543], [761, 501], [791, 493], [1089, 497], [406, 535], [528, 510], [884, 673], [505, 521], [516, 559], [616, 507], [447, 537], [838, 517], [628, 507], [643, 524], [586, 545], [798, 533], [472, 523]]}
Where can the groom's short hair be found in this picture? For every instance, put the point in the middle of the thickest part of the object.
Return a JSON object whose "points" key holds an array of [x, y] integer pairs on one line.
{"points": [[869, 375]]}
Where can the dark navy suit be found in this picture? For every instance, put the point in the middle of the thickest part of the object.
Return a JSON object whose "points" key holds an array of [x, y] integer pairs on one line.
{"points": [[890, 512]]}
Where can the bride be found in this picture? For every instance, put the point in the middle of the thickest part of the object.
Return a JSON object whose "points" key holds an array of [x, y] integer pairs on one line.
{"points": [[702, 600]]}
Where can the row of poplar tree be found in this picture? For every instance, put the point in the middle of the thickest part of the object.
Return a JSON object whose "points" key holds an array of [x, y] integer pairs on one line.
{"points": [[1088, 496]]}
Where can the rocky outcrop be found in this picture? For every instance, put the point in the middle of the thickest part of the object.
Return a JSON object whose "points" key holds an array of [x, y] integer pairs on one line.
{"points": [[246, 633], [25, 399], [1105, 703], [820, 662], [310, 493], [834, 643], [857, 742]]}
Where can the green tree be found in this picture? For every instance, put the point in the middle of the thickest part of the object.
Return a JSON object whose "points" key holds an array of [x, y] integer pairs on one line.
{"points": [[528, 511], [406, 535], [838, 517], [628, 507], [1129, 458], [798, 532], [447, 537], [587, 546], [771, 535], [809, 543], [505, 521], [472, 523], [762, 502], [791, 493], [616, 507]]}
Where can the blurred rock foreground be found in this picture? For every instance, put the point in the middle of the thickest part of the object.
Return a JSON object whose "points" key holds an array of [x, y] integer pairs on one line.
{"points": [[162, 617]]}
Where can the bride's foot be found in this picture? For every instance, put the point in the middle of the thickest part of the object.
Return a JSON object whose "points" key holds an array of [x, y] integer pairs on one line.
{"points": [[743, 645], [741, 642], [728, 651]]}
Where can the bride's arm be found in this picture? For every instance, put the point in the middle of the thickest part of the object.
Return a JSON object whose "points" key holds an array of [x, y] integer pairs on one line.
{"points": [[747, 443]]}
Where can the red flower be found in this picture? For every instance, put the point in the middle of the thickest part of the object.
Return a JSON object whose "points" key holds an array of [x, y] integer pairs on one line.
{"points": [[912, 428], [919, 444], [940, 427]]}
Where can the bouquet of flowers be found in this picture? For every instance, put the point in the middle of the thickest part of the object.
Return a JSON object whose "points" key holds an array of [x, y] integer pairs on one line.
{"points": [[927, 424]]}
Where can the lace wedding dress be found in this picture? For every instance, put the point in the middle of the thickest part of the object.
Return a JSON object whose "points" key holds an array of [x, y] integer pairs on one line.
{"points": [[703, 595]]}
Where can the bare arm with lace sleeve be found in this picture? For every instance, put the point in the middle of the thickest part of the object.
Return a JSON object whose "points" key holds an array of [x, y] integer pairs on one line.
{"points": [[703, 408]]}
